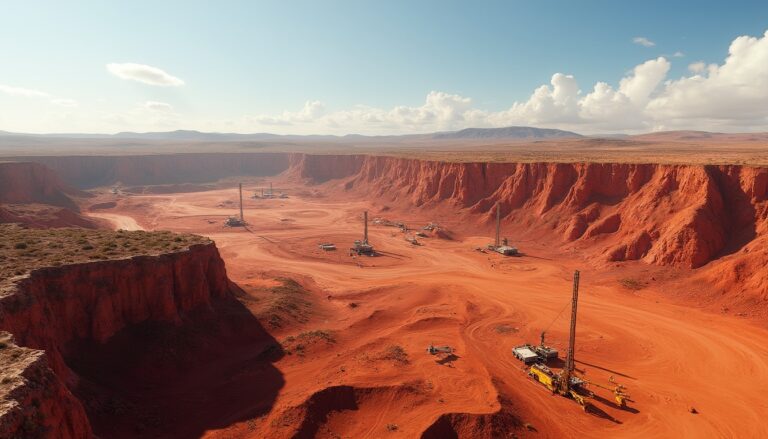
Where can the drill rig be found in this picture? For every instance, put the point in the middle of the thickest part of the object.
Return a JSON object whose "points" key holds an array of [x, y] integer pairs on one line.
{"points": [[564, 383]]}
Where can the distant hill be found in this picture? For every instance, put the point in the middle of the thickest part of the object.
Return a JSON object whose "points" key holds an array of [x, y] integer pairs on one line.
{"points": [[192, 135], [662, 136], [507, 133]]}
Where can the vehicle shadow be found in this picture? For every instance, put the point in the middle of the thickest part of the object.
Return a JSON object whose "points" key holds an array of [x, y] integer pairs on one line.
{"points": [[447, 360]]}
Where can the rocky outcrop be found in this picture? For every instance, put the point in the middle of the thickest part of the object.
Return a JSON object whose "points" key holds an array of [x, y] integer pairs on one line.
{"points": [[675, 215], [52, 307], [32, 194], [34, 402], [678, 215], [93, 171], [34, 183]]}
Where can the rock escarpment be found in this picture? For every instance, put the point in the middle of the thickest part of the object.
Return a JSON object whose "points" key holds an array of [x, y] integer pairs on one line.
{"points": [[34, 402], [675, 215], [32, 194], [93, 171], [51, 308], [28, 182]]}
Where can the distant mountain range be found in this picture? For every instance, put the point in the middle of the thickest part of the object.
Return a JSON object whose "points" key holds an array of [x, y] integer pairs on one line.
{"points": [[505, 133], [191, 135]]}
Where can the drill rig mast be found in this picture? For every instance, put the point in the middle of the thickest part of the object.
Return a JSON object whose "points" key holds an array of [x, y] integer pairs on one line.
{"points": [[569, 360]]}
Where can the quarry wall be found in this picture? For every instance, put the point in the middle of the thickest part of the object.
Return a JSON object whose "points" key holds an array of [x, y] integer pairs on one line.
{"points": [[31, 182], [676, 215], [52, 307], [92, 171]]}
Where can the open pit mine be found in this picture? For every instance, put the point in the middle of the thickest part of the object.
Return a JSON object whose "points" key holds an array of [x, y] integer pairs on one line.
{"points": [[338, 295]]}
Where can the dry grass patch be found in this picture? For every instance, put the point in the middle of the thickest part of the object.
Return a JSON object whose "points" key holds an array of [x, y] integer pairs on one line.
{"points": [[632, 284], [24, 249], [300, 343]]}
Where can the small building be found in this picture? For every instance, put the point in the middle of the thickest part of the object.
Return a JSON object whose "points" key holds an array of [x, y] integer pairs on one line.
{"points": [[506, 250], [526, 354]]}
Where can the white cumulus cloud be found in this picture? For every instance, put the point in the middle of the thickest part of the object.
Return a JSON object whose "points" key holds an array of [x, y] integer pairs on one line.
{"points": [[727, 96], [158, 106], [62, 102], [20, 91], [144, 74], [312, 110], [735, 92], [643, 41]]}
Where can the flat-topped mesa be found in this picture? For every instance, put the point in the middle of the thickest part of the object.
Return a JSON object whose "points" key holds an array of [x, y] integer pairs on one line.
{"points": [[93, 171], [107, 281], [679, 215]]}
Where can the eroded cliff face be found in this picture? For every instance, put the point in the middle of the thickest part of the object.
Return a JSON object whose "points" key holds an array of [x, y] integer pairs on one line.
{"points": [[34, 402], [93, 171], [53, 307], [671, 215], [27, 183], [675, 215], [32, 194]]}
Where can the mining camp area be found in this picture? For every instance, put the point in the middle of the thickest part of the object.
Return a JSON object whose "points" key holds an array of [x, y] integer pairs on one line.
{"points": [[385, 291]]}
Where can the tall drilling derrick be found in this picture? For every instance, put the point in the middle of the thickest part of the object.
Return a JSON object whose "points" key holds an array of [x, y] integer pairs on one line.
{"points": [[569, 360], [240, 187], [497, 243]]}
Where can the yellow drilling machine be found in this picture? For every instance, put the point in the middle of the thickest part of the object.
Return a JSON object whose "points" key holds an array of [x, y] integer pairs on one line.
{"points": [[565, 382]]}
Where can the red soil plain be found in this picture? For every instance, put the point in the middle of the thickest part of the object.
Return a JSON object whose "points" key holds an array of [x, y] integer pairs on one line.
{"points": [[673, 298]]}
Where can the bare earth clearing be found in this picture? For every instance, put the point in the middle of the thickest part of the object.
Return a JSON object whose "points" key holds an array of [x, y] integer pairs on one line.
{"points": [[369, 320]]}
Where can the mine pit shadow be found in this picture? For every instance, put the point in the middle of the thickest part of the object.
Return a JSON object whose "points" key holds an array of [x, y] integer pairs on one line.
{"points": [[178, 381]]}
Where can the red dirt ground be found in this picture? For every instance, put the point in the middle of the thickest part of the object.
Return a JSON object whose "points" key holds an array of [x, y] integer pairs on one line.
{"points": [[347, 382]]}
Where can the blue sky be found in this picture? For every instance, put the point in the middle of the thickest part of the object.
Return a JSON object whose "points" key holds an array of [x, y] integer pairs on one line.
{"points": [[372, 67]]}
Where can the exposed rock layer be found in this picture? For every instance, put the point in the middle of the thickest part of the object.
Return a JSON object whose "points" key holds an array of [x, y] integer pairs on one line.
{"points": [[92, 171], [677, 215], [664, 214], [33, 400], [53, 307], [32, 194]]}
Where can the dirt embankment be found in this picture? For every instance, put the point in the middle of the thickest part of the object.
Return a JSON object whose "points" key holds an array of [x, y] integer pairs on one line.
{"points": [[53, 310], [34, 402], [28, 183], [664, 214], [93, 171], [686, 216], [32, 194]]}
